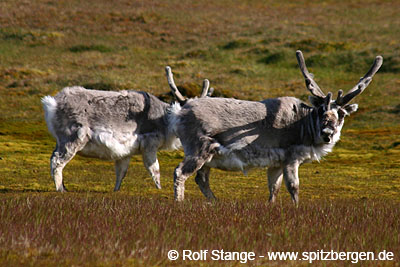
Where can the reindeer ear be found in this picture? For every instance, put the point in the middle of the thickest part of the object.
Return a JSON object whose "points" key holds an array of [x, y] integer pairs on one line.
{"points": [[316, 101], [350, 108]]}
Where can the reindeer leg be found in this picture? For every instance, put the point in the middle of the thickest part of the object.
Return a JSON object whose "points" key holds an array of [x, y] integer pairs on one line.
{"points": [[149, 144], [202, 180], [63, 154], [56, 169], [150, 161], [206, 148], [121, 168], [185, 169], [274, 182], [291, 177]]}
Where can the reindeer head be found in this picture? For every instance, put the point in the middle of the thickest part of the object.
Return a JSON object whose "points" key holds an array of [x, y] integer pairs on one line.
{"points": [[330, 112]]}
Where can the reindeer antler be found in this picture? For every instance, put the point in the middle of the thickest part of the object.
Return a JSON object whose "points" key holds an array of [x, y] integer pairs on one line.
{"points": [[328, 100], [362, 84], [312, 86], [210, 92], [172, 85], [206, 85], [339, 96], [178, 95]]}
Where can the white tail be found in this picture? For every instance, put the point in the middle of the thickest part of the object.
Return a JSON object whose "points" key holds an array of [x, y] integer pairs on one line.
{"points": [[50, 108]]}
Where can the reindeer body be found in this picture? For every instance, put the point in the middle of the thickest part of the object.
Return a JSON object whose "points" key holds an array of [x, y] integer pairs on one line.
{"points": [[107, 125], [236, 135], [253, 134], [281, 133], [118, 122]]}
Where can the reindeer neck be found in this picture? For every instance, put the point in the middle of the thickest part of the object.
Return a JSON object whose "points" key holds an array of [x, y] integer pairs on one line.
{"points": [[309, 127]]}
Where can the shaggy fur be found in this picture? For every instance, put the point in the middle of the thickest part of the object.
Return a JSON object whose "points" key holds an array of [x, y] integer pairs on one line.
{"points": [[279, 133], [108, 125], [231, 134]]}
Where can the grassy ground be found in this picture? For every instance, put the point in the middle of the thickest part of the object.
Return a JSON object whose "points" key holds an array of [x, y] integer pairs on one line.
{"points": [[247, 50], [105, 229]]}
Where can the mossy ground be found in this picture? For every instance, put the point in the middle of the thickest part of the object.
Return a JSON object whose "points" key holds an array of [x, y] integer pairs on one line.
{"points": [[246, 50]]}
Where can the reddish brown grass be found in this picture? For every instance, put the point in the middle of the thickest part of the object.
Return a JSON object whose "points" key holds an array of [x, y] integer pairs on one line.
{"points": [[109, 229]]}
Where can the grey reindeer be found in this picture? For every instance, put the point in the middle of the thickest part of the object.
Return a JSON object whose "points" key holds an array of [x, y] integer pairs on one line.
{"points": [[281, 133], [111, 125]]}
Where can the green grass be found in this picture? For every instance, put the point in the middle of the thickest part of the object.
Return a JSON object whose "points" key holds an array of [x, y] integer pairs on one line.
{"points": [[247, 51]]}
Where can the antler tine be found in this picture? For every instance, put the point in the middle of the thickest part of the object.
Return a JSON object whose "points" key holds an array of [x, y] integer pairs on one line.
{"points": [[339, 98], [328, 100], [312, 86], [363, 83], [206, 85], [211, 91], [172, 85]]}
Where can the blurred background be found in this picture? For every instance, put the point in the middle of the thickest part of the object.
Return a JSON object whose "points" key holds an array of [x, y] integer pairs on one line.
{"points": [[246, 49]]}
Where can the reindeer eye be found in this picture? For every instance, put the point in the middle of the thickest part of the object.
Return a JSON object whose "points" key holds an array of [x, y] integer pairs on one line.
{"points": [[321, 111], [341, 113]]}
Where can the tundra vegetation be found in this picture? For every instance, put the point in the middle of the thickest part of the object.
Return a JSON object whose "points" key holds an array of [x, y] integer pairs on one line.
{"points": [[349, 201]]}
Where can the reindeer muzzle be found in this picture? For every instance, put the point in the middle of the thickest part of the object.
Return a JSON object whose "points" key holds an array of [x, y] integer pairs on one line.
{"points": [[327, 134]]}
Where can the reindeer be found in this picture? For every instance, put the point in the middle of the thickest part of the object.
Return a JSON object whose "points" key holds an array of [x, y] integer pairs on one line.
{"points": [[281, 133], [112, 126]]}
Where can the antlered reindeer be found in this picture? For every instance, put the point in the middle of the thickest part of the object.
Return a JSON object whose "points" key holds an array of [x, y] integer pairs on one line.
{"points": [[111, 126], [281, 133]]}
